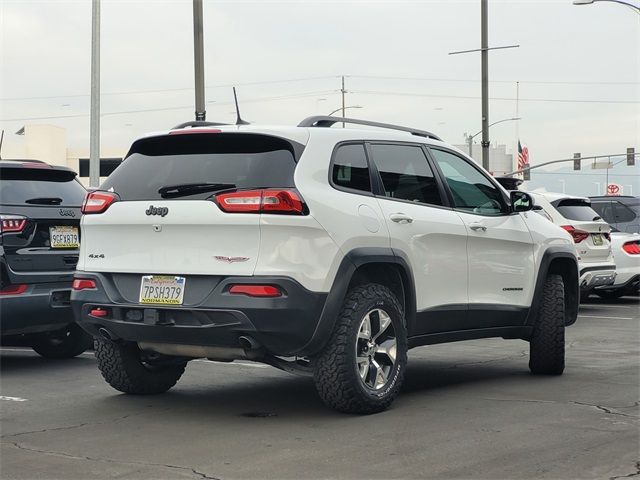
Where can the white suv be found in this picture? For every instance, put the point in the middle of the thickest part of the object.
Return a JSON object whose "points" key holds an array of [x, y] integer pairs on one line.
{"points": [[322, 251], [591, 234]]}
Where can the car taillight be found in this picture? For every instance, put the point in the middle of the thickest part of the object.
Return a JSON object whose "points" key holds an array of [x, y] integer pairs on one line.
{"points": [[578, 235], [13, 289], [190, 131], [83, 284], [12, 223], [98, 202], [255, 290], [632, 248], [286, 202]]}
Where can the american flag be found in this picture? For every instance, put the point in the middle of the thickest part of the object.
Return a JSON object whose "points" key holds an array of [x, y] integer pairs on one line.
{"points": [[523, 156]]}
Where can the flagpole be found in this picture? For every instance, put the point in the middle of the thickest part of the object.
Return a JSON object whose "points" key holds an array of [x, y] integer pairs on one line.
{"points": [[517, 121]]}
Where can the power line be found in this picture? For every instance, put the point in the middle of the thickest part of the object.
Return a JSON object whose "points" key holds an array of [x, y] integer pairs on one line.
{"points": [[467, 97], [182, 107], [168, 90], [466, 80]]}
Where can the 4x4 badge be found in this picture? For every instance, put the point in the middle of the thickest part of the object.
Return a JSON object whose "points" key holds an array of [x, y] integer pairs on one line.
{"points": [[222, 258]]}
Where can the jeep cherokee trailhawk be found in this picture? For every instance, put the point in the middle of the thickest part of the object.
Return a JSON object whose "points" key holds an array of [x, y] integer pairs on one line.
{"points": [[318, 250]]}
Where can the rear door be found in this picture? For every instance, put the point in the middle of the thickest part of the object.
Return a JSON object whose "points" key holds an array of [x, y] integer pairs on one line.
{"points": [[166, 220], [430, 234], [500, 246], [40, 212]]}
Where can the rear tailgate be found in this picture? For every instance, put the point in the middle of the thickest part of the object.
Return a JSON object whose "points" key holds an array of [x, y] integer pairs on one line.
{"points": [[165, 220], [41, 227]]}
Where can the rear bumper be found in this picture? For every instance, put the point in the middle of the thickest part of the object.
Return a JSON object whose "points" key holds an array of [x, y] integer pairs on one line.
{"points": [[43, 307], [597, 276], [282, 325], [631, 286]]}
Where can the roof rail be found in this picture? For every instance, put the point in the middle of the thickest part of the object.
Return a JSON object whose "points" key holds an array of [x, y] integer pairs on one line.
{"points": [[327, 121], [198, 123]]}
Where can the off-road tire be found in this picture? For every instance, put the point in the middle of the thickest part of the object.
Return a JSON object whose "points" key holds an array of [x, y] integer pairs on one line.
{"points": [[66, 343], [547, 340], [122, 367], [335, 373]]}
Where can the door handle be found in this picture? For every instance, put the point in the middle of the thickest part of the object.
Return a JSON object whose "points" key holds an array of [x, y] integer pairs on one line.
{"points": [[478, 226], [400, 218]]}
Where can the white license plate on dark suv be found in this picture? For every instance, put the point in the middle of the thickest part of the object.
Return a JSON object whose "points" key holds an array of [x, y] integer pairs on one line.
{"points": [[162, 289], [64, 237]]}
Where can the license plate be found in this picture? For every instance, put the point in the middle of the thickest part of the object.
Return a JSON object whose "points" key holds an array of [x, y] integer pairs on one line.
{"points": [[597, 239], [162, 289], [64, 237]]}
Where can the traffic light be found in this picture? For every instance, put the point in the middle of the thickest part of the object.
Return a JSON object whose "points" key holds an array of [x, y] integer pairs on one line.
{"points": [[576, 161], [631, 156], [526, 175]]}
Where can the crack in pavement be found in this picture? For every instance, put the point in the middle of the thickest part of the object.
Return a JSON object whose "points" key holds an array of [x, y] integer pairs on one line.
{"points": [[110, 460], [634, 474], [609, 410]]}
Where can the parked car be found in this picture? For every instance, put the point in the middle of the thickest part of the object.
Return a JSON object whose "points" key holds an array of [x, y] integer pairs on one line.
{"points": [[626, 253], [323, 251], [590, 233], [39, 240], [621, 212]]}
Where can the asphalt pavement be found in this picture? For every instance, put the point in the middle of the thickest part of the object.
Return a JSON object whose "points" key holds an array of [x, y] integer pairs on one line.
{"points": [[468, 410]]}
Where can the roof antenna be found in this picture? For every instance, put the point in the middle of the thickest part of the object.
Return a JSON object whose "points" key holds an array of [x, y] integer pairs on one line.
{"points": [[239, 120]]}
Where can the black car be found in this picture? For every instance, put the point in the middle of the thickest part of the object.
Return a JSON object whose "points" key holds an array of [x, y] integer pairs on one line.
{"points": [[621, 212], [39, 241]]}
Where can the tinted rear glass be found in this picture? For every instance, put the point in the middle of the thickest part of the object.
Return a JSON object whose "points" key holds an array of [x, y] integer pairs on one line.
{"points": [[244, 160], [17, 185], [576, 210]]}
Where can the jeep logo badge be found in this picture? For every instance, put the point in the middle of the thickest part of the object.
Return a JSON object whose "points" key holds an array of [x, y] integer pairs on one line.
{"points": [[162, 211], [64, 212]]}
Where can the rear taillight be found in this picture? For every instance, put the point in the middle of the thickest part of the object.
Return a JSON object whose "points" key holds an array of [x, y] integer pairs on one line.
{"points": [[578, 235], [190, 131], [12, 223], [632, 248], [13, 289], [255, 290], [286, 202], [98, 202], [83, 284]]}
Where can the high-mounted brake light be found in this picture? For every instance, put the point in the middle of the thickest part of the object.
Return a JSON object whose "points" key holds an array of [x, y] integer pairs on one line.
{"points": [[13, 289], [12, 223], [83, 284], [632, 248], [578, 235], [278, 201], [255, 290], [188, 131], [98, 202]]}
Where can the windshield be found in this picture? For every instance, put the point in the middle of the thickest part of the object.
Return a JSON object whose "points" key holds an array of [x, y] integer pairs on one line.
{"points": [[20, 186], [167, 165]]}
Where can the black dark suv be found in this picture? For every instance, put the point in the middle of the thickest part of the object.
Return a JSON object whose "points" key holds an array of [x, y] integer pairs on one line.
{"points": [[39, 241], [621, 212]]}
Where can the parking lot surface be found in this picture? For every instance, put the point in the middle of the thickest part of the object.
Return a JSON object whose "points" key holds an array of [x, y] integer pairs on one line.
{"points": [[468, 410]]}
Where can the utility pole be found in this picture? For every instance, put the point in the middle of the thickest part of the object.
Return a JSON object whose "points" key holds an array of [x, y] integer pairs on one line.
{"points": [[343, 91], [94, 127], [198, 57], [484, 46]]}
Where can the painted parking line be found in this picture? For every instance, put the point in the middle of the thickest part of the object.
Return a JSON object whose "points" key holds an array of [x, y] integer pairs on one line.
{"points": [[601, 316], [13, 399], [242, 364], [29, 350]]}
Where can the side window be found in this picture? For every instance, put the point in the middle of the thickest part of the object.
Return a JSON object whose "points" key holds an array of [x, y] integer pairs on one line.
{"points": [[350, 168], [471, 190], [405, 173], [623, 213]]}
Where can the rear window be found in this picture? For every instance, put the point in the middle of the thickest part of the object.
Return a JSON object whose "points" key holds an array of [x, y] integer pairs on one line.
{"points": [[25, 186], [576, 210], [241, 161]]}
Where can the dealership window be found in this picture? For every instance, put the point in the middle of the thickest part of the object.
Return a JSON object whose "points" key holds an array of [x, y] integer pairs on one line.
{"points": [[107, 165]]}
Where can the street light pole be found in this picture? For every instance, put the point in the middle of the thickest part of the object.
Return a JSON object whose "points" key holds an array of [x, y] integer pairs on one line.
{"points": [[94, 121], [343, 108], [589, 2], [471, 137], [198, 59], [343, 91], [484, 45]]}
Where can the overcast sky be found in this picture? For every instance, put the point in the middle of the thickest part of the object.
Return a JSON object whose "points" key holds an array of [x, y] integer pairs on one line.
{"points": [[578, 67]]}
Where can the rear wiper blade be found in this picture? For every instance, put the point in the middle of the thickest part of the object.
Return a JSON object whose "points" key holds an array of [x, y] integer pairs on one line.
{"points": [[44, 201], [182, 189]]}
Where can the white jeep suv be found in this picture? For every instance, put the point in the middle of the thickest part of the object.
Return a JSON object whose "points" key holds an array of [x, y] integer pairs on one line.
{"points": [[322, 251]]}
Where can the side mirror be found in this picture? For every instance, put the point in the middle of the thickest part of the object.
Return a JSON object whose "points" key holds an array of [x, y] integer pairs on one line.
{"points": [[521, 201]]}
